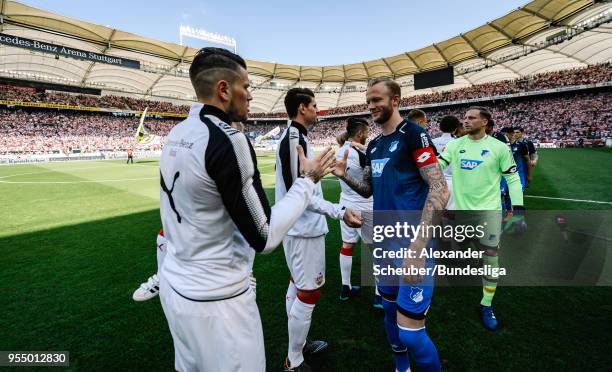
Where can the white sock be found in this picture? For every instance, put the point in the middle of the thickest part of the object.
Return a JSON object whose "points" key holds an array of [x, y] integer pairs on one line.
{"points": [[376, 286], [290, 297], [298, 326], [346, 263]]}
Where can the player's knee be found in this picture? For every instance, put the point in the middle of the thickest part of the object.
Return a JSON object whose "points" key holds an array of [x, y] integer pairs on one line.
{"points": [[412, 338], [309, 297]]}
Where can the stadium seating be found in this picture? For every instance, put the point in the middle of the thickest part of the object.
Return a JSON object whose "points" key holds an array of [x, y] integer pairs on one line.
{"points": [[561, 119], [587, 75], [106, 101], [40, 132], [552, 119]]}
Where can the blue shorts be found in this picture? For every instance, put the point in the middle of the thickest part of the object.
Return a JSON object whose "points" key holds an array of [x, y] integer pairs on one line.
{"points": [[412, 300]]}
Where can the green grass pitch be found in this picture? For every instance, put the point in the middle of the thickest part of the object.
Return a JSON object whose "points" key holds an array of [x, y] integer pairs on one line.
{"points": [[77, 238]]}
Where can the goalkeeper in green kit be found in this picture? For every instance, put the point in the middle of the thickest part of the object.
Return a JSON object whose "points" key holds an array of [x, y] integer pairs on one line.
{"points": [[478, 163]]}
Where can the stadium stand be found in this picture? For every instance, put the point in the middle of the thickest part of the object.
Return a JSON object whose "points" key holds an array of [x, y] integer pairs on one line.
{"points": [[556, 48], [45, 132], [581, 76], [560, 120], [21, 94]]}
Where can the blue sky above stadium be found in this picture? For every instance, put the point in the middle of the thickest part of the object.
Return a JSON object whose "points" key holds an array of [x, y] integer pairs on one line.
{"points": [[304, 33]]}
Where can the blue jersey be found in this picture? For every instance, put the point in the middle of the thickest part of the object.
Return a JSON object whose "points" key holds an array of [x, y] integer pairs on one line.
{"points": [[395, 160], [397, 186], [519, 151]]}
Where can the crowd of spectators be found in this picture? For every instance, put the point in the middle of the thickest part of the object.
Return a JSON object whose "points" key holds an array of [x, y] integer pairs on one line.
{"points": [[558, 118], [552, 120], [586, 75], [20, 94], [46, 132], [579, 76]]}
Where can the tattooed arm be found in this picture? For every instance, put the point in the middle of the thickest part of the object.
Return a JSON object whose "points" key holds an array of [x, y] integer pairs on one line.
{"points": [[362, 187], [434, 204]]}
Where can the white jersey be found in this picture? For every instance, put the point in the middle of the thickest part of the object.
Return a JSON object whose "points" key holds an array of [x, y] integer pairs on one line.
{"points": [[312, 223], [214, 209], [440, 143], [355, 163]]}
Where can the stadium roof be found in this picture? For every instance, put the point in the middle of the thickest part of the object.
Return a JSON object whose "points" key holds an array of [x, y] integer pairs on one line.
{"points": [[524, 27]]}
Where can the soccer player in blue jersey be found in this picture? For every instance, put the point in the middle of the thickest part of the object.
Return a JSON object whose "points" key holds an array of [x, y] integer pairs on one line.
{"points": [[402, 175], [520, 152]]}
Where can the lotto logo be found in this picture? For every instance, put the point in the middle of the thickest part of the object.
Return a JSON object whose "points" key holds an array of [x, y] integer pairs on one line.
{"points": [[377, 166], [469, 164], [423, 157]]}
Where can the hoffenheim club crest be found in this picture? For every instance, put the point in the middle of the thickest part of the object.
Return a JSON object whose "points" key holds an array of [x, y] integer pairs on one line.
{"points": [[416, 294], [393, 146]]}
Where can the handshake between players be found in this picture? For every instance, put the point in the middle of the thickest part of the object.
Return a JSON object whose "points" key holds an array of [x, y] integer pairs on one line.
{"points": [[320, 166]]}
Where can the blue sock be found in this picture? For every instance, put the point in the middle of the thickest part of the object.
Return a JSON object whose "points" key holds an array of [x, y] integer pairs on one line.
{"points": [[422, 349], [402, 361]]}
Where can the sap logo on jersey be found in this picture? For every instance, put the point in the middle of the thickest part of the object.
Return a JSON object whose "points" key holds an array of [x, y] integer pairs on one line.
{"points": [[377, 166], [469, 164]]}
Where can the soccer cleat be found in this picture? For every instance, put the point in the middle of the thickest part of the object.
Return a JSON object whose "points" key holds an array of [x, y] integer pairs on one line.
{"points": [[314, 347], [347, 292], [488, 318], [301, 368], [377, 302], [147, 290]]}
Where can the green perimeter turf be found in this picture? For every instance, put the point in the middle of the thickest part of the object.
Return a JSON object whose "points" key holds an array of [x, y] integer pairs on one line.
{"points": [[73, 252]]}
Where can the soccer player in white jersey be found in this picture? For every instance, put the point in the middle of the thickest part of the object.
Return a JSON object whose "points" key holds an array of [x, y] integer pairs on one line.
{"points": [[357, 132], [305, 242], [213, 210], [448, 126], [150, 288]]}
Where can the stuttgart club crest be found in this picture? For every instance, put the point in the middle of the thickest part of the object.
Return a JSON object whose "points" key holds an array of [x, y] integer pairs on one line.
{"points": [[319, 279]]}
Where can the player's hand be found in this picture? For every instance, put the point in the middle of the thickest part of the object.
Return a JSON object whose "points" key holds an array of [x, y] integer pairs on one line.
{"points": [[533, 163], [317, 167], [410, 264], [516, 223], [340, 168], [352, 218], [358, 146]]}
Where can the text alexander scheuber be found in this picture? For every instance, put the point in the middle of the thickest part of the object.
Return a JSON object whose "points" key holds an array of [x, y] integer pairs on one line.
{"points": [[404, 230]]}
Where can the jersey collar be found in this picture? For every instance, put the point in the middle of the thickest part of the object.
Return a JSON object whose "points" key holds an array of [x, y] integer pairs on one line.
{"points": [[215, 111], [300, 127]]}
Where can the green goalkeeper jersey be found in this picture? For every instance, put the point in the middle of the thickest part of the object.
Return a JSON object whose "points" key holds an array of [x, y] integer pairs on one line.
{"points": [[477, 168]]}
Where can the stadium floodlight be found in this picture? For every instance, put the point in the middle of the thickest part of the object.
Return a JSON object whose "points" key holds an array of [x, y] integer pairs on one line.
{"points": [[212, 37]]}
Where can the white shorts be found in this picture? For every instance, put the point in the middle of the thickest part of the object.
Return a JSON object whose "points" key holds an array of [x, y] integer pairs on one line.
{"points": [[306, 261], [223, 335], [349, 234]]}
